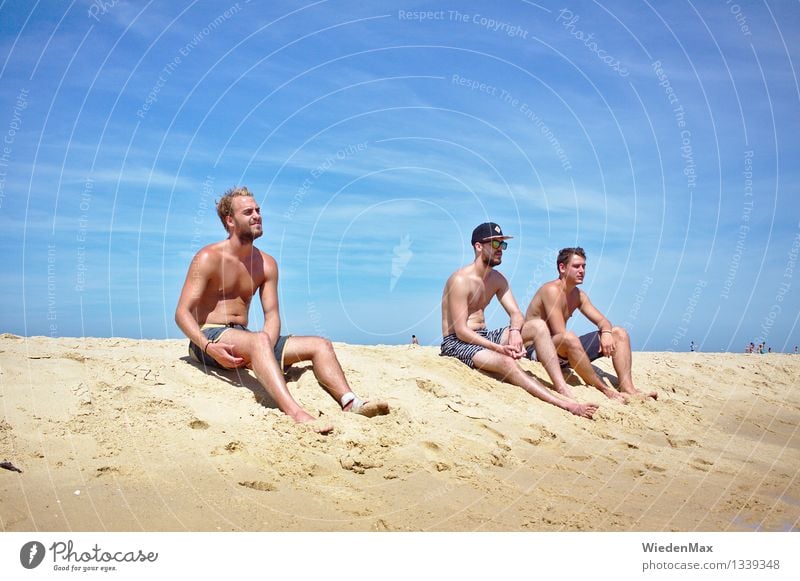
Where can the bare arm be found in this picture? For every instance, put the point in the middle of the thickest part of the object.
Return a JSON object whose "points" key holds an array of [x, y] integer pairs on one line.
{"points": [[194, 287], [603, 325], [553, 314], [269, 298], [458, 312], [200, 273], [506, 298]]}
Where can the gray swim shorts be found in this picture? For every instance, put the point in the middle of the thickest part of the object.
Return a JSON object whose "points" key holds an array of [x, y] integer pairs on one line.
{"points": [[452, 346], [590, 343], [213, 332]]}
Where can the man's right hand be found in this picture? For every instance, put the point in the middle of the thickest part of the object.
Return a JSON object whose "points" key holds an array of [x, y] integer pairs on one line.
{"points": [[510, 351], [223, 354]]}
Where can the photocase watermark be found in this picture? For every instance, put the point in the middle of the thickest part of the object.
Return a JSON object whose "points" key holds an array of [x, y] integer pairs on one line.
{"points": [[687, 154], [639, 297], [546, 263], [8, 139], [568, 19], [52, 311], [491, 24], [316, 319], [101, 8], [523, 108], [744, 228], [739, 16], [688, 313], [330, 162], [200, 215], [80, 237], [784, 287], [401, 256], [183, 52], [67, 558]]}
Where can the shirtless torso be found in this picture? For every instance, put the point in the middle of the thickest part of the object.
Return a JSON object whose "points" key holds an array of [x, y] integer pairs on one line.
{"points": [[479, 292], [226, 284], [554, 304]]}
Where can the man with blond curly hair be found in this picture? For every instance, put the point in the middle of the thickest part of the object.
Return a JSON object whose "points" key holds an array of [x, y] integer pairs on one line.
{"points": [[213, 311]]}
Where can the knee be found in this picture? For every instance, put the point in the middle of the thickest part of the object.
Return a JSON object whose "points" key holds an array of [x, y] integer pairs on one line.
{"points": [[620, 334], [572, 341], [534, 328], [323, 345], [263, 341], [506, 365]]}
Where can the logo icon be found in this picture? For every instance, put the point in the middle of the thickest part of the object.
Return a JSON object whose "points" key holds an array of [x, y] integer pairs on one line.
{"points": [[401, 256], [31, 554]]}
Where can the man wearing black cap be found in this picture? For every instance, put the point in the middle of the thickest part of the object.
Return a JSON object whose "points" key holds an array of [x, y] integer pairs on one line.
{"points": [[467, 293]]}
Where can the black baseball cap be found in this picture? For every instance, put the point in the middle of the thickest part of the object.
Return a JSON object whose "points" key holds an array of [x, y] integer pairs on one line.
{"points": [[488, 231]]}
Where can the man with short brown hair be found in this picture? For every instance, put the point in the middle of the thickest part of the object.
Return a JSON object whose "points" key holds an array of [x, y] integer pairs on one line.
{"points": [[555, 302], [213, 309]]}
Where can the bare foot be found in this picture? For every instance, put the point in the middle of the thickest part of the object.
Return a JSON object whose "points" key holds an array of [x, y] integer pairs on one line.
{"points": [[584, 410], [615, 395], [566, 392], [370, 409], [314, 424], [636, 394], [642, 396], [318, 425]]}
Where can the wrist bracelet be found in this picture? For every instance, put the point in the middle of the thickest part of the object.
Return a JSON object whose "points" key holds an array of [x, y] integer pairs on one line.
{"points": [[605, 331], [514, 329], [205, 349]]}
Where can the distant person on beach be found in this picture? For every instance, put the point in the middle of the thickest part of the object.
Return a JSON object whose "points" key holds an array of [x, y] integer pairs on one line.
{"points": [[213, 308], [555, 302], [692, 347], [414, 340], [466, 294]]}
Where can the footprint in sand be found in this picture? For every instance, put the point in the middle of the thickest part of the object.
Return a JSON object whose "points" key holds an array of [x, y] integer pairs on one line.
{"points": [[196, 424], [700, 464], [539, 436], [432, 388], [654, 467], [259, 485], [676, 442]]}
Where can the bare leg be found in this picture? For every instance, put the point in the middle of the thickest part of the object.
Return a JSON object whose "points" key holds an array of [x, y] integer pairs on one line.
{"points": [[257, 351], [328, 371], [569, 346], [622, 361], [536, 331], [507, 370]]}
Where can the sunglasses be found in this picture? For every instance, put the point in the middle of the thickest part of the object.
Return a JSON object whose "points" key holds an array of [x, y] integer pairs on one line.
{"points": [[497, 244]]}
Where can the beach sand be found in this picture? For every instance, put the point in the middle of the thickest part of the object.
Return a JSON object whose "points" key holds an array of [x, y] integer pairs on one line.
{"points": [[129, 435]]}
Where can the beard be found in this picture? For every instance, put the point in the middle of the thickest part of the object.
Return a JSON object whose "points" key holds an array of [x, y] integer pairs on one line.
{"points": [[248, 236], [492, 260]]}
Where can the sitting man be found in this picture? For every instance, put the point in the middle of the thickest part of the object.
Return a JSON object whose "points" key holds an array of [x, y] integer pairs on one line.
{"points": [[467, 293], [555, 302], [213, 307]]}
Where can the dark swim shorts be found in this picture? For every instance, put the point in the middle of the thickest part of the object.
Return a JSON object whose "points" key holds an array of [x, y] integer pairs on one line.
{"points": [[213, 333], [452, 346], [590, 343]]}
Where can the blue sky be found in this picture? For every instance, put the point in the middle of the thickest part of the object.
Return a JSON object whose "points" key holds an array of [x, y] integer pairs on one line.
{"points": [[376, 135]]}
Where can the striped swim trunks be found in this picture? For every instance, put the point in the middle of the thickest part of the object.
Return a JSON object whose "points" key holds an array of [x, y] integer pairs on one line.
{"points": [[452, 346]]}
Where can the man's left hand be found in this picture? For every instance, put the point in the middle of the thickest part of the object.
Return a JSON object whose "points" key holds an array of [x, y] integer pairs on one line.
{"points": [[607, 344], [515, 342]]}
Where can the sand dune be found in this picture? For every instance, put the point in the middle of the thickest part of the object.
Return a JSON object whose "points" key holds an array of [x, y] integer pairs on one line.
{"points": [[127, 435]]}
